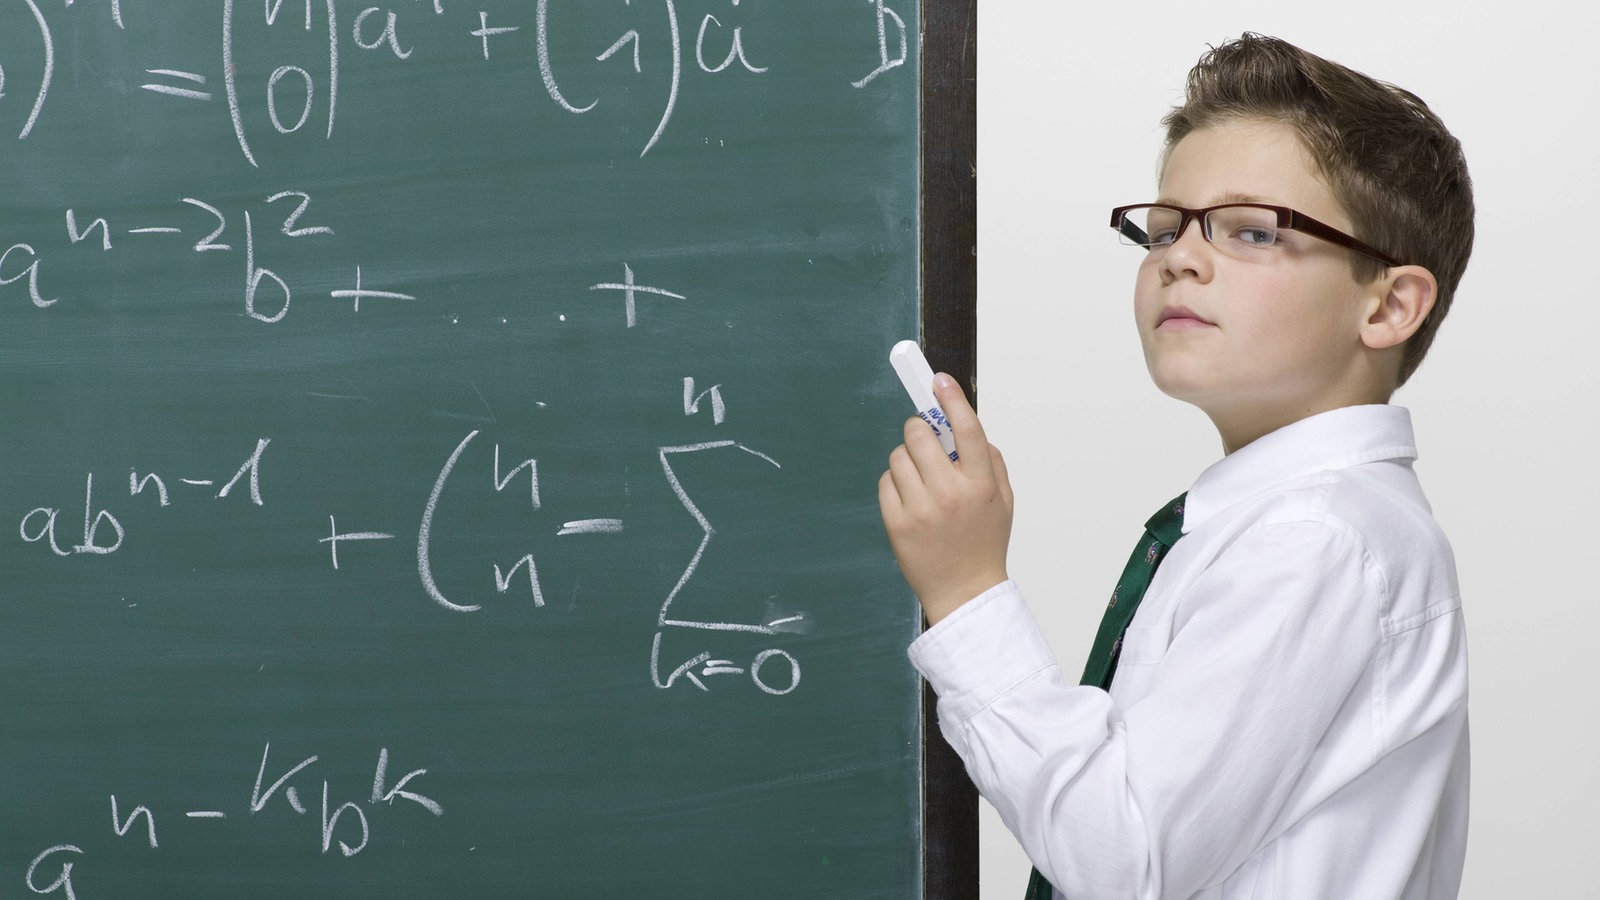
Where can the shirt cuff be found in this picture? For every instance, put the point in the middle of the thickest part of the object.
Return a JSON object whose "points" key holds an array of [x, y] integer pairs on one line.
{"points": [[983, 649]]}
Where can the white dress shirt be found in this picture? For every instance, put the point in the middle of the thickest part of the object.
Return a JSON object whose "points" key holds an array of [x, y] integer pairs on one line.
{"points": [[1289, 714]]}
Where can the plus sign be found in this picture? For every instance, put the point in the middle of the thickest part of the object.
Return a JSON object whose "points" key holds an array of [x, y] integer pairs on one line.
{"points": [[629, 291], [334, 537], [485, 32]]}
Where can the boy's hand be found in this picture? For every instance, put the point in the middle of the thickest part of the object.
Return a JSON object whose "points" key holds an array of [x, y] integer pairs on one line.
{"points": [[948, 522]]}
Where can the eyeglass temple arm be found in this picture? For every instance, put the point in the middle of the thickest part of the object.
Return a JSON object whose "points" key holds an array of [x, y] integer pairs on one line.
{"points": [[1130, 230], [1302, 222]]}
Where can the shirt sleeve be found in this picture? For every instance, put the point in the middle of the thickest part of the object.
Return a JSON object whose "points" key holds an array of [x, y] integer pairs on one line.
{"points": [[1171, 794]]}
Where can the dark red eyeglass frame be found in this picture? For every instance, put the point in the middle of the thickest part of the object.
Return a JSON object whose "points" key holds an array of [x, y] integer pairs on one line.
{"points": [[1291, 219]]}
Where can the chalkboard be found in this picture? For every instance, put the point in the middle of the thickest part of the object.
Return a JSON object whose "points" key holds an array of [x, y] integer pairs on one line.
{"points": [[438, 448]]}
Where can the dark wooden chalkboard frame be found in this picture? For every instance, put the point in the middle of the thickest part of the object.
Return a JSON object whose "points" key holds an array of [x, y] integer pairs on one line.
{"points": [[949, 335]]}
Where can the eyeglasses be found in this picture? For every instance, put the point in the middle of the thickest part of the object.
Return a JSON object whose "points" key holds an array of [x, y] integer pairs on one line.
{"points": [[1241, 230]]}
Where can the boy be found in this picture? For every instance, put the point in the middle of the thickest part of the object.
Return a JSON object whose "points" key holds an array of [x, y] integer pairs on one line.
{"points": [[1285, 715]]}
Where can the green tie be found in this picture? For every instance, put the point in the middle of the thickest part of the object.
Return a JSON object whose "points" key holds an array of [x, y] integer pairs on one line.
{"points": [[1160, 533]]}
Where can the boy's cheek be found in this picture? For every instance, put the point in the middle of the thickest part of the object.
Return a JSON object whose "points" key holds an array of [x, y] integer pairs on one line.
{"points": [[1146, 304]]}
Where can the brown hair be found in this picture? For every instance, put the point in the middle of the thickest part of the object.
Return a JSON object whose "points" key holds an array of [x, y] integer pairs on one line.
{"points": [[1388, 160]]}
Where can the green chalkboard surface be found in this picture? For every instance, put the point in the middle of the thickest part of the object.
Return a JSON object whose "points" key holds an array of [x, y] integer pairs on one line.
{"points": [[438, 448]]}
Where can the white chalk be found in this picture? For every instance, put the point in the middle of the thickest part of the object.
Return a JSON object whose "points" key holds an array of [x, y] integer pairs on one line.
{"points": [[917, 376]]}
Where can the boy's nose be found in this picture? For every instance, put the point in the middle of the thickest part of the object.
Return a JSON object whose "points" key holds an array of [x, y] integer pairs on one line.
{"points": [[1189, 252], [1183, 228]]}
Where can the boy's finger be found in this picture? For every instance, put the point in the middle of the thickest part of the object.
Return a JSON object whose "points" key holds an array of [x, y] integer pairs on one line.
{"points": [[904, 473], [1002, 475], [971, 443], [889, 501], [926, 450]]}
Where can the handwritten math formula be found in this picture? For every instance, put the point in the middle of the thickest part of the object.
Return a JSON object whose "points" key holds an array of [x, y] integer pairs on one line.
{"points": [[338, 825], [59, 532], [26, 260], [656, 42], [437, 445]]}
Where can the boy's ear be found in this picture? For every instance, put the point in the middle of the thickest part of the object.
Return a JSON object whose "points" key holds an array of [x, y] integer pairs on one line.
{"points": [[1402, 299]]}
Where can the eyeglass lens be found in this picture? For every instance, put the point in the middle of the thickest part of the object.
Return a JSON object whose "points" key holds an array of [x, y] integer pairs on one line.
{"points": [[1236, 230]]}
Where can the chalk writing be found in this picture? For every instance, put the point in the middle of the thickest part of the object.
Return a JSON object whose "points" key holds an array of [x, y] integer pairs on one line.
{"points": [[526, 567], [702, 666], [28, 259], [630, 293], [347, 824], [40, 524], [231, 84], [691, 401], [885, 17], [295, 290], [485, 32], [293, 93], [49, 69], [334, 537], [177, 91], [63, 880], [267, 296], [21, 261], [735, 48]]}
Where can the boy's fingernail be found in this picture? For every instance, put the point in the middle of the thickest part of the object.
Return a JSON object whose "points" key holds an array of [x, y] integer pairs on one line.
{"points": [[942, 380]]}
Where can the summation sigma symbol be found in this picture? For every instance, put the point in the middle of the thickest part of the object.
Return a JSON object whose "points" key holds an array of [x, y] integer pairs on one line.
{"points": [[293, 93], [774, 670], [345, 824]]}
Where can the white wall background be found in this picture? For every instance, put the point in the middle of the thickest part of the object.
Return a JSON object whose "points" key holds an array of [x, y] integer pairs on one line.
{"points": [[1069, 95]]}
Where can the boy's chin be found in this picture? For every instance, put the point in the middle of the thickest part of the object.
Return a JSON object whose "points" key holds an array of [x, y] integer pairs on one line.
{"points": [[1188, 387]]}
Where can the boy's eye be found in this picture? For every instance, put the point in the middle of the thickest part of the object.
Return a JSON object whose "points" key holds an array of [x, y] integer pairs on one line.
{"points": [[1254, 236], [1163, 237]]}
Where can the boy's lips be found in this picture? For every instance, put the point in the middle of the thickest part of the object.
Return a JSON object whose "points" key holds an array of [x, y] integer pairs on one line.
{"points": [[1181, 317]]}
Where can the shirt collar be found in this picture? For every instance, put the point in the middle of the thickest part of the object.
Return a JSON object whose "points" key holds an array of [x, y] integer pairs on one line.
{"points": [[1336, 439]]}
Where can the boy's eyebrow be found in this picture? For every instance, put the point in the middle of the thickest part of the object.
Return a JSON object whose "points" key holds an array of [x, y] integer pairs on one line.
{"points": [[1229, 197]]}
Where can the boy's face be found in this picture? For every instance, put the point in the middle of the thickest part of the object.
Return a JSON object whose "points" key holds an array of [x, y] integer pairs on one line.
{"points": [[1263, 342]]}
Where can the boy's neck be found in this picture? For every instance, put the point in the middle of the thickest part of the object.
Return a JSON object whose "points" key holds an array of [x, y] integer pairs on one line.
{"points": [[1240, 420], [1243, 427]]}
